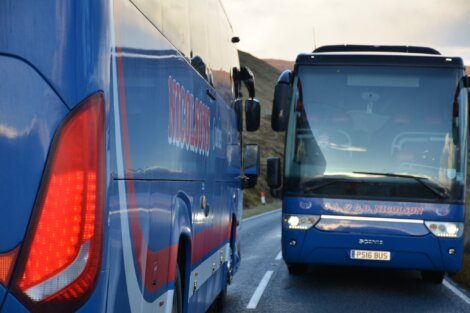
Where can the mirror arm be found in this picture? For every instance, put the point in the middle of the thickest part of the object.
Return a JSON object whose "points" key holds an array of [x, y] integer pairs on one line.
{"points": [[276, 192], [250, 85], [466, 81]]}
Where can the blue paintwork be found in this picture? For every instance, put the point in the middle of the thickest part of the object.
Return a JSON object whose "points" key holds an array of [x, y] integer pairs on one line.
{"points": [[55, 54], [70, 50], [412, 246], [2, 295], [11, 304], [30, 113], [410, 210]]}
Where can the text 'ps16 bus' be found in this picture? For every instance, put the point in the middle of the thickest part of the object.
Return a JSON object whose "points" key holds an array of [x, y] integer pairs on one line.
{"points": [[121, 155], [375, 159]]}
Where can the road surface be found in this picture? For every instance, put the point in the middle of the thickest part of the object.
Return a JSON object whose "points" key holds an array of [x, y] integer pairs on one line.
{"points": [[263, 284]]}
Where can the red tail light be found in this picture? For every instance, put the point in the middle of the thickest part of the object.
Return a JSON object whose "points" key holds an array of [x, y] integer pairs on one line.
{"points": [[60, 259], [7, 261]]}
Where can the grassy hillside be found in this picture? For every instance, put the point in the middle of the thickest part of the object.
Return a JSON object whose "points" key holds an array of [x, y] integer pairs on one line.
{"points": [[271, 143], [281, 65]]}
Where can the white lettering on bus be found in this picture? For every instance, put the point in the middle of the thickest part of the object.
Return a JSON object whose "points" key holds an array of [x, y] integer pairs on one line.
{"points": [[189, 120]]}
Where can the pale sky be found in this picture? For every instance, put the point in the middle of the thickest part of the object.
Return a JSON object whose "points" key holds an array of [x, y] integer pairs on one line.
{"points": [[283, 28]]}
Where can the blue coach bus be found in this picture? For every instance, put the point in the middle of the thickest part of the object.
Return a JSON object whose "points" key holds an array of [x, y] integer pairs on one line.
{"points": [[121, 159], [375, 159]]}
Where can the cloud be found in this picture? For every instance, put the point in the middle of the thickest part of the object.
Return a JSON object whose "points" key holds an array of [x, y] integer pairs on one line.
{"points": [[284, 28]]}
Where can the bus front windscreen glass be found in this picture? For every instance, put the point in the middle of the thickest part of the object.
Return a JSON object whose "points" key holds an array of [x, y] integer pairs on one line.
{"points": [[377, 132]]}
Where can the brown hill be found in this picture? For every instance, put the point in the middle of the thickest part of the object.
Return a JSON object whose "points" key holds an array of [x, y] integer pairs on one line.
{"points": [[270, 142], [281, 65]]}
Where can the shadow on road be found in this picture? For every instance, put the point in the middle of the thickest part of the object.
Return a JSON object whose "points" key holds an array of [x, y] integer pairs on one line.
{"points": [[350, 289], [390, 280]]}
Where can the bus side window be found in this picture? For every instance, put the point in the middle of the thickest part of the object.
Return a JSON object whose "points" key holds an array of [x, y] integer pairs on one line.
{"points": [[213, 34], [152, 10], [219, 37], [176, 24], [171, 18], [198, 37]]}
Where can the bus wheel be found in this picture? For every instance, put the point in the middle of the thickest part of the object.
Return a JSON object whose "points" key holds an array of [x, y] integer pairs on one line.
{"points": [[220, 301], [177, 296], [435, 277], [297, 269]]}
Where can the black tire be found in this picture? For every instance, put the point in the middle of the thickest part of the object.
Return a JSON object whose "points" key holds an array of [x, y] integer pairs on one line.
{"points": [[434, 277], [220, 301], [178, 295], [297, 269]]}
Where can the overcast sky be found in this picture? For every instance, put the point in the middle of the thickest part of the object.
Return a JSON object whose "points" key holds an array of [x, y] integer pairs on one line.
{"points": [[283, 28]]}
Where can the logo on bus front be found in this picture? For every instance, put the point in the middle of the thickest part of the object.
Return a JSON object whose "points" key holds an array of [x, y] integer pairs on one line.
{"points": [[372, 207], [189, 120]]}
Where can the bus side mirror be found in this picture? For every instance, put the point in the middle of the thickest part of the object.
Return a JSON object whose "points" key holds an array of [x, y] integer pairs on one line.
{"points": [[466, 81], [251, 166], [274, 176], [281, 102], [248, 78], [238, 108], [252, 115]]}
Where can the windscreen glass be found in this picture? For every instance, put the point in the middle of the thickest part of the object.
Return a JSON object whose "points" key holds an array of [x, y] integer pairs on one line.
{"points": [[378, 132]]}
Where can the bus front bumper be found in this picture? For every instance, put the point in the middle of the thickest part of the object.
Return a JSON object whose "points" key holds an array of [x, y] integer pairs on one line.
{"points": [[425, 252]]}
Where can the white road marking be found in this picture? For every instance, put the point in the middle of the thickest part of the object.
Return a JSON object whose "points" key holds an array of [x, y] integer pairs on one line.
{"points": [[456, 291], [279, 256], [259, 291], [260, 215]]}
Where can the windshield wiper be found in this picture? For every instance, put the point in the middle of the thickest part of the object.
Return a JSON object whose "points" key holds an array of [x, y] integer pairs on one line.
{"points": [[321, 185], [422, 180]]}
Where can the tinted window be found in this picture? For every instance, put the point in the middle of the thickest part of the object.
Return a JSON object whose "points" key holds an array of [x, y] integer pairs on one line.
{"points": [[199, 34], [176, 24], [171, 18], [380, 120], [152, 9], [201, 31]]}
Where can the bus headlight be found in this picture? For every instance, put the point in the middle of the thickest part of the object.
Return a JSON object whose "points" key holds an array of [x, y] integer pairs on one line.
{"points": [[300, 222], [446, 229]]}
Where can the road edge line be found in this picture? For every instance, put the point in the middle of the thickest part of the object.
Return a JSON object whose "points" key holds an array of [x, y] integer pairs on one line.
{"points": [[259, 291], [456, 291], [260, 215]]}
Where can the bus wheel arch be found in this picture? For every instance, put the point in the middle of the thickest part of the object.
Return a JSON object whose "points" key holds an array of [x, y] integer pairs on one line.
{"points": [[183, 263]]}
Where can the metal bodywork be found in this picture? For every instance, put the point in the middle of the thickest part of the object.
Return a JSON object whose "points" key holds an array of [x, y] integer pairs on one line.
{"points": [[54, 54], [372, 225], [345, 224]]}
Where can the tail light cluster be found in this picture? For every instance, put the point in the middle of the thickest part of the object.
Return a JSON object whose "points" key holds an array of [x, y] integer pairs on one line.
{"points": [[60, 259]]}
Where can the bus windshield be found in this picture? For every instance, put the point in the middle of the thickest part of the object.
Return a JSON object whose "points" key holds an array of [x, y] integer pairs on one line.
{"points": [[391, 133]]}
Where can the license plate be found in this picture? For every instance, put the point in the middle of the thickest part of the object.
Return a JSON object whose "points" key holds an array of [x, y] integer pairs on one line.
{"points": [[370, 255]]}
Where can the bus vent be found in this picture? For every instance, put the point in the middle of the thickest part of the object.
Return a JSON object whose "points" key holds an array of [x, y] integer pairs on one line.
{"points": [[369, 48]]}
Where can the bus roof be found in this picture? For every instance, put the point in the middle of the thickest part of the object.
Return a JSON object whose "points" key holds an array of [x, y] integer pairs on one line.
{"points": [[377, 48], [379, 58]]}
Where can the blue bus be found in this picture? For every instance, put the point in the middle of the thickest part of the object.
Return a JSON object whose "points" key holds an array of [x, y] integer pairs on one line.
{"points": [[375, 159], [121, 155]]}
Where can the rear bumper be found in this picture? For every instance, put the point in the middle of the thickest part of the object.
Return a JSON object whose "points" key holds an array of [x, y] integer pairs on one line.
{"points": [[425, 252]]}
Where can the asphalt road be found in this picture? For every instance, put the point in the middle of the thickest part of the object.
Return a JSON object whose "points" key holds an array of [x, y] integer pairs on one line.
{"points": [[325, 289]]}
